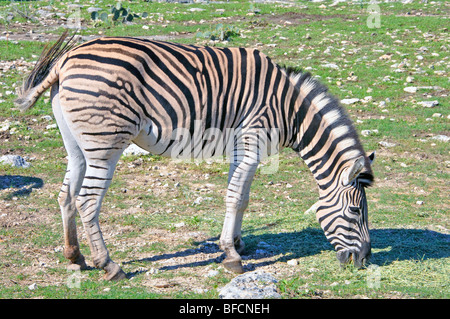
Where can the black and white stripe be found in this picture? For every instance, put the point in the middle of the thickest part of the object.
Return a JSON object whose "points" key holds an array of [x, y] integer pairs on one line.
{"points": [[110, 92]]}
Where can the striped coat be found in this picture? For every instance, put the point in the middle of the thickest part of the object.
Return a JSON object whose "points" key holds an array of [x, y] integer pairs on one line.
{"points": [[109, 92]]}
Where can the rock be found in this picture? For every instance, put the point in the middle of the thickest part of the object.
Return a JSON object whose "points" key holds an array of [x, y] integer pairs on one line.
{"points": [[212, 273], [93, 9], [410, 89], [251, 285], [133, 149], [369, 132], [349, 101], [441, 138], [409, 79], [330, 65], [386, 144], [32, 286], [14, 160], [419, 202], [47, 117], [196, 9], [428, 103], [198, 200], [312, 209], [292, 262], [178, 225], [51, 127]]}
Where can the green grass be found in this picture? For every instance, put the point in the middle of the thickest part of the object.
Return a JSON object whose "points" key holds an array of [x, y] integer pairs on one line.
{"points": [[141, 211]]}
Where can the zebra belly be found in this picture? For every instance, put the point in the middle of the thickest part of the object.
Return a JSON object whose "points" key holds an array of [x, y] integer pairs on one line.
{"points": [[200, 143]]}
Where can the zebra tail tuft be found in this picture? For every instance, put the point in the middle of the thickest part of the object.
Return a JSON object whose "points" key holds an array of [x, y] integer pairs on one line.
{"points": [[40, 78]]}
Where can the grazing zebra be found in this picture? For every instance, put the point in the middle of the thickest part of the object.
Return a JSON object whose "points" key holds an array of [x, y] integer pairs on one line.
{"points": [[112, 91]]}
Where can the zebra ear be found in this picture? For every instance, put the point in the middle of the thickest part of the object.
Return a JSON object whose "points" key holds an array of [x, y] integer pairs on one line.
{"points": [[353, 171], [371, 158]]}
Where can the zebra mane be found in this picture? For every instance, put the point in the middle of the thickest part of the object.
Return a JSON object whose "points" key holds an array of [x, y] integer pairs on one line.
{"points": [[332, 112]]}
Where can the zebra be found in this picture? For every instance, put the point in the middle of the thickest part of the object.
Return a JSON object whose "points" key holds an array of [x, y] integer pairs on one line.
{"points": [[113, 91]]}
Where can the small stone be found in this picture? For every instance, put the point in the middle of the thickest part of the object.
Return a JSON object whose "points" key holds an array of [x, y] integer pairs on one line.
{"points": [[212, 273], [386, 144], [349, 101], [47, 117], [133, 149], [420, 202], [369, 132], [196, 9], [32, 286], [14, 160], [330, 65], [251, 285], [410, 89], [198, 200], [51, 127], [440, 138], [292, 262], [178, 225], [428, 103], [409, 79]]}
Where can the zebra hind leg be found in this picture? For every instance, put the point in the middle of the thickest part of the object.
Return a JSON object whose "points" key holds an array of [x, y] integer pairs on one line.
{"points": [[70, 188], [95, 184]]}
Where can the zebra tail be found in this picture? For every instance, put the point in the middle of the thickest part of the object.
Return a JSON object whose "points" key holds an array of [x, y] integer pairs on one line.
{"points": [[44, 73]]}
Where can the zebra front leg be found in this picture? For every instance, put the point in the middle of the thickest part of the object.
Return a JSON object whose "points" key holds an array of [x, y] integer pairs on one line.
{"points": [[95, 184], [240, 179]]}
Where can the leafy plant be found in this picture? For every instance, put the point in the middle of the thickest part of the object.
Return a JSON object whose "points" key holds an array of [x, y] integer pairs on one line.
{"points": [[118, 14], [221, 33]]}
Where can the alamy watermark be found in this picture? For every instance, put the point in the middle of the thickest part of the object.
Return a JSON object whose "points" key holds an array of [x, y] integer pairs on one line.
{"points": [[74, 279], [374, 18], [373, 278], [232, 145]]}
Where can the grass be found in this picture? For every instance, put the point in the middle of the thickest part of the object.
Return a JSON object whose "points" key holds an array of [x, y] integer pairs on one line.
{"points": [[144, 208]]}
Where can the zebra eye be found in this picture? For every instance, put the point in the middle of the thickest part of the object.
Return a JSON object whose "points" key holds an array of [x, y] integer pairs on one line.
{"points": [[354, 209]]}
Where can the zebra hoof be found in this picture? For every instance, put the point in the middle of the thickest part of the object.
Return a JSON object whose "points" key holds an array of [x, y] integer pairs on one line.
{"points": [[113, 272], [234, 266]]}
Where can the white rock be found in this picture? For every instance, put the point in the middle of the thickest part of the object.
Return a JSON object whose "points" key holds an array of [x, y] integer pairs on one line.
{"points": [[251, 285], [178, 225], [428, 103], [349, 101], [292, 262], [386, 144], [441, 138], [212, 273], [369, 132], [133, 149], [47, 117], [14, 160], [32, 286], [410, 89], [419, 202], [51, 126], [330, 65]]}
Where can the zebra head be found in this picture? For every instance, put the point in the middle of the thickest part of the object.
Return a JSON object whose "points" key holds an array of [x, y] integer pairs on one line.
{"points": [[343, 215]]}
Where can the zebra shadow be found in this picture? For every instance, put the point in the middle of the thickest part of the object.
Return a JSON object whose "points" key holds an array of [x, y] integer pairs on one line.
{"points": [[21, 185], [388, 245]]}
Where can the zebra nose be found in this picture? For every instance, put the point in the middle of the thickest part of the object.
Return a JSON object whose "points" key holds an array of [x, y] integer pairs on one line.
{"points": [[363, 255]]}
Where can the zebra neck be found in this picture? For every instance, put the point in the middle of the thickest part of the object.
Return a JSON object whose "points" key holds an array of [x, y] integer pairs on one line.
{"points": [[323, 134]]}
